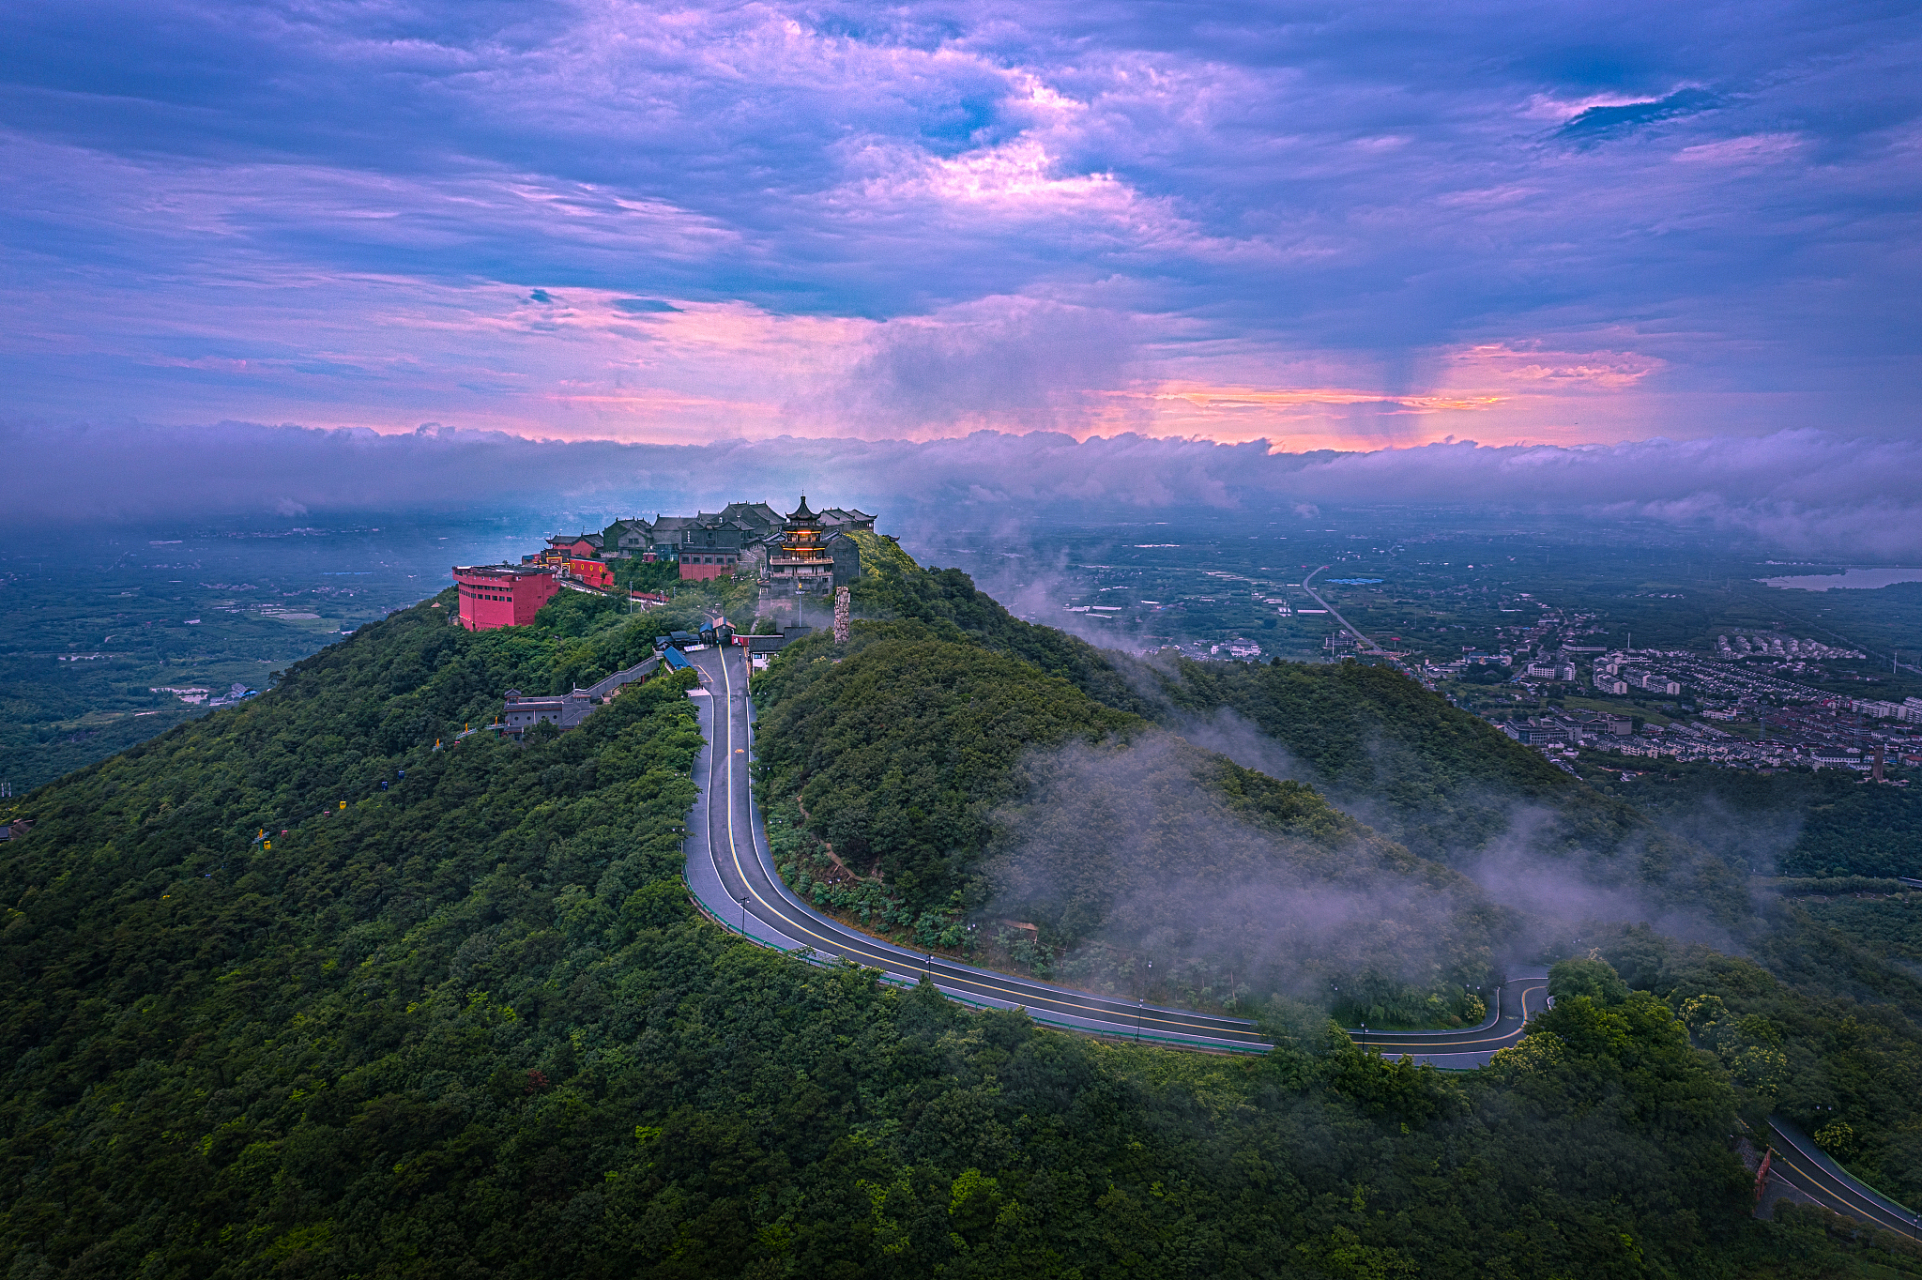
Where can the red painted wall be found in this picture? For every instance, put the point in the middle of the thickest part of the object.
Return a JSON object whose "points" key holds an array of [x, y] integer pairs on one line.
{"points": [[694, 566], [592, 572], [490, 600]]}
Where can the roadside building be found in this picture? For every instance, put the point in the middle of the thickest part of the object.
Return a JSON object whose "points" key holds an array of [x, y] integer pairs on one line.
{"points": [[591, 572], [759, 519], [711, 552], [627, 540], [582, 546], [667, 533], [741, 538], [502, 595], [521, 713]]}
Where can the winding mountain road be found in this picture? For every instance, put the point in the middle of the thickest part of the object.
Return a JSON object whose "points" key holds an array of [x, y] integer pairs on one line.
{"points": [[731, 873], [1801, 1164]]}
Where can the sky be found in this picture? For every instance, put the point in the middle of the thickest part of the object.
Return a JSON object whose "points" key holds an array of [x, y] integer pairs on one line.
{"points": [[1324, 226]]}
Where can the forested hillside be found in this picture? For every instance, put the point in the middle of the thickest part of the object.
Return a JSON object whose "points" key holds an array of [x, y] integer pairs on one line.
{"points": [[1811, 1027], [947, 600], [1448, 784], [1793, 822], [467, 1025], [1440, 781], [921, 785]]}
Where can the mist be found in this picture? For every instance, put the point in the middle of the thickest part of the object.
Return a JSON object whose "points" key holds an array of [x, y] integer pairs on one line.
{"points": [[1126, 856], [1805, 491], [1118, 856]]}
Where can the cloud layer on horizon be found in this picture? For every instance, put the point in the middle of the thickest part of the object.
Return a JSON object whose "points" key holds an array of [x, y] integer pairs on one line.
{"points": [[1799, 491], [1363, 226]]}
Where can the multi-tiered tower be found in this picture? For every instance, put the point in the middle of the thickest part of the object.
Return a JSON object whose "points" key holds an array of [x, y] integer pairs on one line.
{"points": [[802, 565]]}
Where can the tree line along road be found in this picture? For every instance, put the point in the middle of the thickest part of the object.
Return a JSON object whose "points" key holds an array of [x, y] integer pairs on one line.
{"points": [[730, 871]]}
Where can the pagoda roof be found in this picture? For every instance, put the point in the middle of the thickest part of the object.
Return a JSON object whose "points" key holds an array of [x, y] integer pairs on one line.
{"points": [[802, 513]]}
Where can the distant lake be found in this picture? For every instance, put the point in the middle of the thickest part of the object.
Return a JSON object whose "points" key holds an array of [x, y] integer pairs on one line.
{"points": [[1866, 579]]}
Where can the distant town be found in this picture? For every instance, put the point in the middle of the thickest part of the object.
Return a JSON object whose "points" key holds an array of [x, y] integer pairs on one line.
{"points": [[1741, 704], [1747, 680]]}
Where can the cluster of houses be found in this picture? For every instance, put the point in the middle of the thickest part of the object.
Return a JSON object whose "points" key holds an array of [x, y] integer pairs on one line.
{"points": [[803, 554], [740, 537]]}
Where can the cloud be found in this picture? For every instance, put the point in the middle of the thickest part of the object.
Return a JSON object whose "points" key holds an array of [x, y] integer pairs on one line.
{"points": [[1002, 362], [1806, 490], [930, 220], [1601, 121], [1130, 853]]}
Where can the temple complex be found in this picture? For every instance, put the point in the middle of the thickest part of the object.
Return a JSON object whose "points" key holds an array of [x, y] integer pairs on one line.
{"points": [[798, 558], [801, 564]]}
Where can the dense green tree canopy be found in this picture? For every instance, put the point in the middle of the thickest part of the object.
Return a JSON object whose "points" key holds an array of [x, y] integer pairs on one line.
{"points": [[263, 1017], [966, 785]]}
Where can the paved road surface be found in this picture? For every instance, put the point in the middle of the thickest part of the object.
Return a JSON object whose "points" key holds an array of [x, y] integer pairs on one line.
{"points": [[731, 872], [1363, 642], [1512, 1007], [1801, 1164]]}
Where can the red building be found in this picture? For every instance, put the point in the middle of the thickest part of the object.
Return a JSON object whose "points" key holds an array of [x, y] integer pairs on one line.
{"points": [[701, 563], [580, 544], [502, 595], [592, 572]]}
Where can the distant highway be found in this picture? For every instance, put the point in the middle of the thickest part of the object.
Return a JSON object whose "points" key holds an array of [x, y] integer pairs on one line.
{"points": [[731, 873], [1367, 645]]}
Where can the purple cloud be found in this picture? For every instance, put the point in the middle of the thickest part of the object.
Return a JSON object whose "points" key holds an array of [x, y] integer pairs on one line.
{"points": [[940, 217]]}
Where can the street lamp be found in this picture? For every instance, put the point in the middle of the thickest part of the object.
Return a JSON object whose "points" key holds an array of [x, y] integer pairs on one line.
{"points": [[930, 969], [743, 901]]}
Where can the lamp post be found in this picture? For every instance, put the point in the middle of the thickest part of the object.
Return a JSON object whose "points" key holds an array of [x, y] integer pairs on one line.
{"points": [[743, 901], [930, 969]]}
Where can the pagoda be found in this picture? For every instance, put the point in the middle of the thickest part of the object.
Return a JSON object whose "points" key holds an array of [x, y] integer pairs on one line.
{"points": [[802, 564]]}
